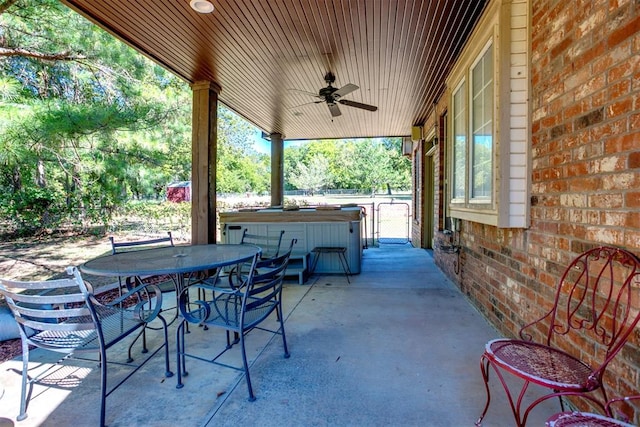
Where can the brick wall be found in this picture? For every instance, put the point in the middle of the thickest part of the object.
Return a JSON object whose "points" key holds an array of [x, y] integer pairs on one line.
{"points": [[585, 157], [586, 119]]}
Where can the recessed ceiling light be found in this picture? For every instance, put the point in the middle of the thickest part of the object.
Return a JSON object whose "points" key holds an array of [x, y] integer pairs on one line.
{"points": [[202, 6]]}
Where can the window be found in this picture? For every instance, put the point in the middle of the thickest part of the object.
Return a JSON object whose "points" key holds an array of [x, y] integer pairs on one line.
{"points": [[459, 145], [472, 144], [488, 169], [482, 127]]}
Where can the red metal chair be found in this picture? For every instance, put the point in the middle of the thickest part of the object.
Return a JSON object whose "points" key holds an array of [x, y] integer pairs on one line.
{"points": [[593, 304], [588, 419]]}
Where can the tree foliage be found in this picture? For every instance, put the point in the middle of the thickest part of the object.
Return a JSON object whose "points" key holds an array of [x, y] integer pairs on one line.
{"points": [[87, 123], [240, 168], [314, 176], [367, 165]]}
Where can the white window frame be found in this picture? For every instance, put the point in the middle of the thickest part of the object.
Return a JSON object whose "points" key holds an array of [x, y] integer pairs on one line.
{"points": [[505, 27]]}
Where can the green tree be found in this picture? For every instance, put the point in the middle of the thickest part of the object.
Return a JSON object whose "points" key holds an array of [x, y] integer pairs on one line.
{"points": [[240, 168], [400, 178], [363, 164], [314, 176], [93, 115]]}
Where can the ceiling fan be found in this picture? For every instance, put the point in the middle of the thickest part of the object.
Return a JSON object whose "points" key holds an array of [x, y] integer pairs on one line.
{"points": [[333, 96]]}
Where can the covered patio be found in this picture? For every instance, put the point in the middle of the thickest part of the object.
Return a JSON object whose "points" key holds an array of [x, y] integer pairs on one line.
{"points": [[565, 174], [387, 349]]}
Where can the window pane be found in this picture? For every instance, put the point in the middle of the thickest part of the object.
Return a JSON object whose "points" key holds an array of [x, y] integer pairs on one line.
{"points": [[482, 127], [459, 144]]}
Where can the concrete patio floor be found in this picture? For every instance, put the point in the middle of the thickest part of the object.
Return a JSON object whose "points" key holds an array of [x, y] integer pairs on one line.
{"points": [[399, 346]]}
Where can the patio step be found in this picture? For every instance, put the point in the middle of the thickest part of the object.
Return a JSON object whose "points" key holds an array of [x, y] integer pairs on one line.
{"points": [[298, 266]]}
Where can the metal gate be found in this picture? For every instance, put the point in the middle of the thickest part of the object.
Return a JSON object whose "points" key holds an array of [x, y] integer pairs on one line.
{"points": [[393, 223]]}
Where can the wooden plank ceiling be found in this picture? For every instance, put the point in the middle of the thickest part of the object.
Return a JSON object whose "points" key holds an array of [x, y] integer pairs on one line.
{"points": [[266, 54]]}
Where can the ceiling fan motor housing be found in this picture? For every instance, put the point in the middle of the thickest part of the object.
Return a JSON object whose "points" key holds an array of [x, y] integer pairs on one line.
{"points": [[327, 93]]}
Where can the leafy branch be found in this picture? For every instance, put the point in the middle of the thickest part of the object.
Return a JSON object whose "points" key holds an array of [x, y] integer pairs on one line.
{"points": [[26, 53]]}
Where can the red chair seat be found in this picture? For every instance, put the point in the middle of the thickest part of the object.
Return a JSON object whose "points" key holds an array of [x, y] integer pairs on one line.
{"points": [[542, 365], [584, 419]]}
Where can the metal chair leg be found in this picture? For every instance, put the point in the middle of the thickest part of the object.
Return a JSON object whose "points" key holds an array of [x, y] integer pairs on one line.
{"points": [[484, 368], [245, 363], [25, 374], [284, 337]]}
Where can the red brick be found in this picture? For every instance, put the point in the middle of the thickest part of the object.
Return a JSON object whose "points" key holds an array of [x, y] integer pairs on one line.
{"points": [[589, 183], [620, 181], [561, 47], [577, 169], [589, 55], [573, 111], [632, 200], [592, 86], [609, 201], [620, 143], [619, 108], [575, 230], [619, 89], [550, 121], [624, 32], [606, 130], [616, 219], [602, 64], [551, 173], [611, 236], [621, 70], [610, 164], [599, 98], [585, 100], [558, 186], [632, 240], [632, 220]]}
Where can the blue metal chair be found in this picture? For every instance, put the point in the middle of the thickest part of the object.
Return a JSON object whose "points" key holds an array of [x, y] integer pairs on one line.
{"points": [[270, 249], [164, 283], [64, 316], [239, 310]]}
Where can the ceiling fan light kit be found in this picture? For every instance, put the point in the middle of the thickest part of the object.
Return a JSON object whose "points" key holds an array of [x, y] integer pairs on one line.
{"points": [[201, 6], [333, 96]]}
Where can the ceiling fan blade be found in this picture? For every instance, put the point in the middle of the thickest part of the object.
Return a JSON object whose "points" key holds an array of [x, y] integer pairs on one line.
{"points": [[335, 111], [315, 95], [345, 90], [306, 103], [358, 105]]}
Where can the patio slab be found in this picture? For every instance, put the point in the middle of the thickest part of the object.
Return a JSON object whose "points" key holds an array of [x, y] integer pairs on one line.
{"points": [[398, 346]]}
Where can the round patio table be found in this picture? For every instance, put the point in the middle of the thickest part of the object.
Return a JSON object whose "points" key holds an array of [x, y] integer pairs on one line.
{"points": [[174, 261], [169, 260]]}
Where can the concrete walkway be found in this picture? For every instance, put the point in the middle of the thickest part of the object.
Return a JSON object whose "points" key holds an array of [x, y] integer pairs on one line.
{"points": [[399, 346]]}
